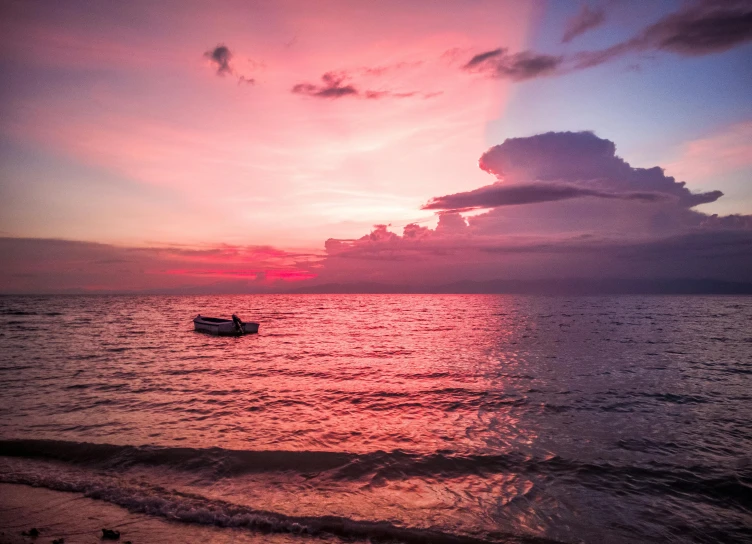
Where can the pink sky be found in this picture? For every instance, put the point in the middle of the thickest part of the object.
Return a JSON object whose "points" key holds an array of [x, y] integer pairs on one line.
{"points": [[160, 168], [256, 163]]}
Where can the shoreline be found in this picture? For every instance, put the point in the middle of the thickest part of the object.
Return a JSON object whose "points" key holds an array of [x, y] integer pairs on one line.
{"points": [[80, 520]]}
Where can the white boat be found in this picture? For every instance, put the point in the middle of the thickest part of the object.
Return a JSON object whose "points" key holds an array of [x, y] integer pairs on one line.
{"points": [[224, 327]]}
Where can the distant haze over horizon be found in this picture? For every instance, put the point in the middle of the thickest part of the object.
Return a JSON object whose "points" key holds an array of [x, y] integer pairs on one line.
{"points": [[485, 146]]}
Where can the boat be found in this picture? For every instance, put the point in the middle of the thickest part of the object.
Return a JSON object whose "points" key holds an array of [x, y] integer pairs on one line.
{"points": [[224, 327]]}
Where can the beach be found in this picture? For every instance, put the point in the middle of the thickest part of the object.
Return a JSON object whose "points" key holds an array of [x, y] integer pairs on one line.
{"points": [[78, 519]]}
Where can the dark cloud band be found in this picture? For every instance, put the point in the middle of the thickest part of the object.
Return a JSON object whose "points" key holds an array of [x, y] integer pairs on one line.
{"points": [[496, 195]]}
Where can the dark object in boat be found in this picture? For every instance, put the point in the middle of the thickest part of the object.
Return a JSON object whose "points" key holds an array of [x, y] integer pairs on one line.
{"points": [[34, 532], [110, 534], [238, 324], [224, 327], [60, 540]]}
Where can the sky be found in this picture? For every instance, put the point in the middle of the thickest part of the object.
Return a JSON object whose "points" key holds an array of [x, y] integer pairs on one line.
{"points": [[254, 146]]}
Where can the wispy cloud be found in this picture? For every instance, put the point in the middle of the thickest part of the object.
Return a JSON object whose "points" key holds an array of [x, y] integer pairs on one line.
{"points": [[586, 19], [499, 194], [499, 63], [697, 29], [710, 27], [333, 86], [337, 85]]}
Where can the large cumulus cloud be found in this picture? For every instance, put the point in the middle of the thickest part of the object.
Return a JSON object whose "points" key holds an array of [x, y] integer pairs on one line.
{"points": [[563, 205], [584, 159], [574, 182]]}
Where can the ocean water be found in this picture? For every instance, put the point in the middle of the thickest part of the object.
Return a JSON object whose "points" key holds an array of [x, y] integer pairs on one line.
{"points": [[391, 418]]}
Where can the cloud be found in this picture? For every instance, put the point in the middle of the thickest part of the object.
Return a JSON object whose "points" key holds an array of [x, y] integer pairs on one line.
{"points": [[564, 205], [735, 221], [335, 85], [434, 257], [498, 63], [480, 58], [220, 57], [583, 159], [586, 19], [55, 266], [727, 150], [709, 28], [697, 29], [379, 71], [496, 195]]}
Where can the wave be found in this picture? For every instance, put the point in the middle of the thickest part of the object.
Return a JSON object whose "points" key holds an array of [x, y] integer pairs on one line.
{"points": [[192, 508], [219, 460], [728, 487]]}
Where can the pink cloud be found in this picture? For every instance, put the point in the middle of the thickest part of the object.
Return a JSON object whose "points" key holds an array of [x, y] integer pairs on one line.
{"points": [[269, 274], [38, 265], [725, 151]]}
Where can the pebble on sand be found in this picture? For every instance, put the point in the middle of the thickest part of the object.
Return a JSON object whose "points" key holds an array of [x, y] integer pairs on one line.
{"points": [[110, 534]]}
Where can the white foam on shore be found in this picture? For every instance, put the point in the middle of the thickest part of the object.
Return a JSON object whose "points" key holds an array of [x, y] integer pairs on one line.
{"points": [[175, 506]]}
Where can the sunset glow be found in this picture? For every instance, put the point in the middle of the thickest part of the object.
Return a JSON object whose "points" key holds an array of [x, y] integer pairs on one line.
{"points": [[337, 271], [183, 125]]}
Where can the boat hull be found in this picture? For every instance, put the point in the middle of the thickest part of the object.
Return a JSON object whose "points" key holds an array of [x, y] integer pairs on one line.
{"points": [[223, 327]]}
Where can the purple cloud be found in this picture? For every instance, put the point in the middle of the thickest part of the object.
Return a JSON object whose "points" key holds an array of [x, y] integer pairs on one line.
{"points": [[697, 29], [480, 58], [220, 57], [565, 205], [710, 27], [586, 19], [334, 85], [583, 159], [519, 67], [499, 194]]}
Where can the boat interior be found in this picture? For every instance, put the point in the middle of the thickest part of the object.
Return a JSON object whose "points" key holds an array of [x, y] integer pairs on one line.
{"points": [[214, 319]]}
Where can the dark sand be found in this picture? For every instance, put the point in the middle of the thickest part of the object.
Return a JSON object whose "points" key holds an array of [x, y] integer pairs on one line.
{"points": [[80, 521]]}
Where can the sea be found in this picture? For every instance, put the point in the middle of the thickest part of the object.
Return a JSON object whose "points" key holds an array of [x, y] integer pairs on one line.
{"points": [[390, 418]]}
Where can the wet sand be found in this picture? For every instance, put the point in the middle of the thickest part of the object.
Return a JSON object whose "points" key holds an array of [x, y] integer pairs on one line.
{"points": [[79, 520]]}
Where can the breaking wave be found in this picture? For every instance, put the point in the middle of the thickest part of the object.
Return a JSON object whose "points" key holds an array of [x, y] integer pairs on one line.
{"points": [[730, 488]]}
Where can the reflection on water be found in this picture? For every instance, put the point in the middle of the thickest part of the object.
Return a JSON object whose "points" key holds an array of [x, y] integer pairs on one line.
{"points": [[593, 418]]}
